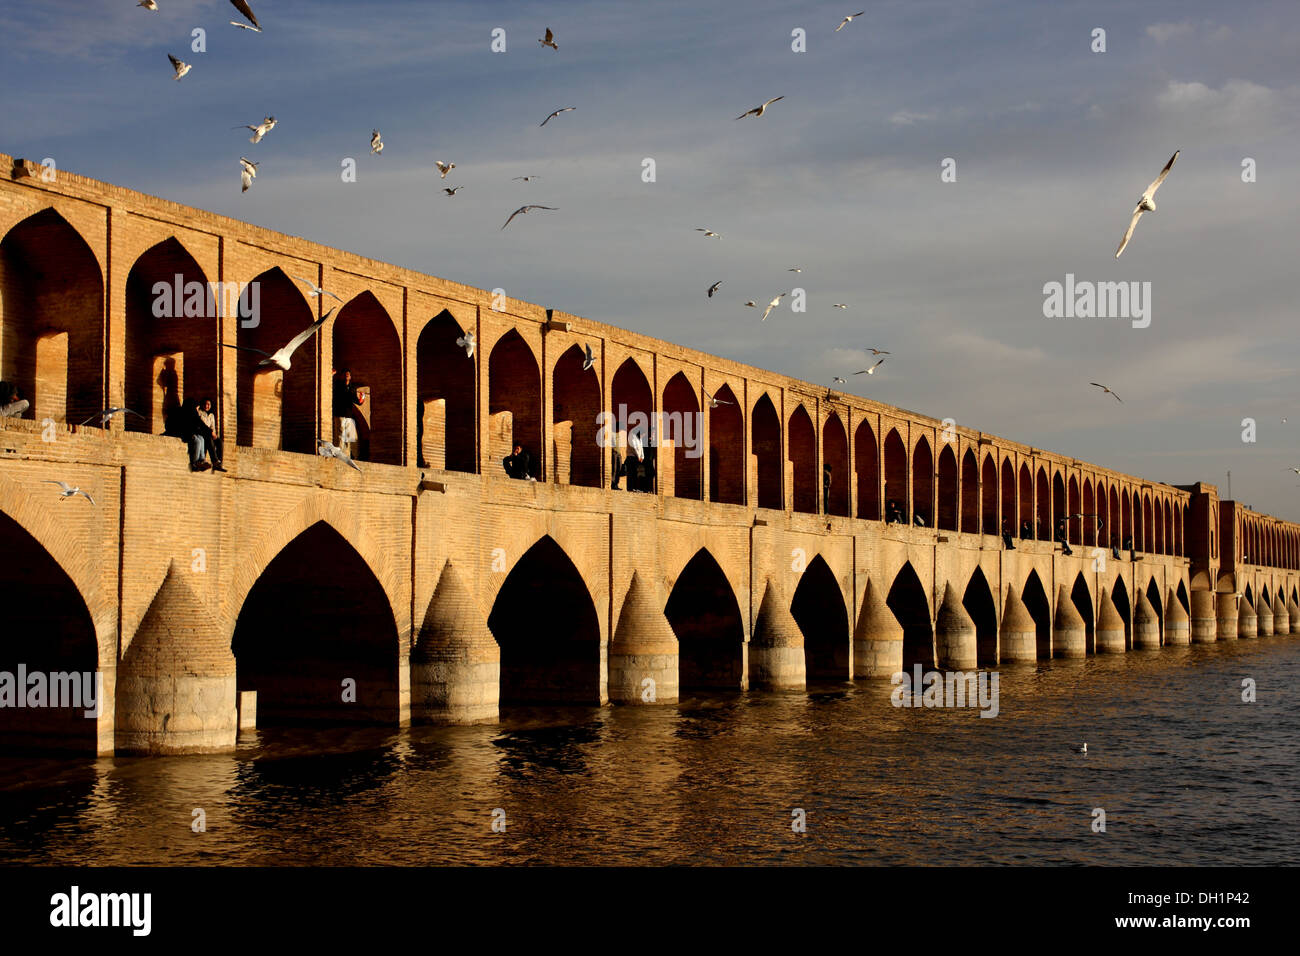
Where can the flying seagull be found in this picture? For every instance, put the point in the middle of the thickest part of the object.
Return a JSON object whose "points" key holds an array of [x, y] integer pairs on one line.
{"points": [[1296, 470], [467, 342], [149, 5], [759, 110], [329, 450], [315, 290], [848, 20], [260, 130], [444, 168], [245, 26], [794, 270], [524, 178], [841, 305], [588, 358], [247, 173], [246, 11], [108, 413], [549, 40], [523, 209], [708, 233], [281, 358], [838, 380], [752, 304], [714, 288], [564, 109], [376, 143], [714, 402], [870, 371], [180, 66], [1146, 203], [452, 190], [877, 351], [773, 304], [1107, 391], [67, 491]]}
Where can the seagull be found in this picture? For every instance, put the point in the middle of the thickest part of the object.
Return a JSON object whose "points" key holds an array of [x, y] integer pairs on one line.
{"points": [[247, 173], [260, 130], [444, 168], [68, 491], [247, 11], [848, 20], [752, 304], [1296, 470], [1107, 391], [794, 270], [634, 442], [180, 66], [772, 305], [281, 358], [1081, 750], [589, 358], [526, 179], [108, 413], [1146, 203], [452, 190], [549, 40], [376, 143], [245, 26], [467, 342], [841, 305], [151, 5], [523, 209], [877, 352], [714, 288], [708, 233], [329, 450], [715, 402], [839, 381], [315, 290], [870, 371], [759, 110], [565, 109]]}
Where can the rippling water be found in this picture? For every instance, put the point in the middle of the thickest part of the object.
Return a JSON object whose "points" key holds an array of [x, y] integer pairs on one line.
{"points": [[1186, 772]]}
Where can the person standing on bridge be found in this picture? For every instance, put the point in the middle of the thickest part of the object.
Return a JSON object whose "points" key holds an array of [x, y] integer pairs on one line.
{"points": [[826, 489]]}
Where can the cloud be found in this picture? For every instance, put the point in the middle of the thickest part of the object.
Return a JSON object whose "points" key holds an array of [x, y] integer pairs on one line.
{"points": [[1162, 33], [908, 118]]}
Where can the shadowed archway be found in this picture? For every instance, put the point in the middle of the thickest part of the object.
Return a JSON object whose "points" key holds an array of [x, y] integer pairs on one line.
{"points": [[923, 483], [1082, 599], [514, 385], [1040, 609], [575, 398], [866, 461], [896, 476], [704, 614], [946, 517], [978, 602], [765, 440], [277, 410], [366, 343], [908, 602], [726, 449], [1124, 606], [801, 441], [818, 608], [835, 456], [681, 426], [443, 372]]}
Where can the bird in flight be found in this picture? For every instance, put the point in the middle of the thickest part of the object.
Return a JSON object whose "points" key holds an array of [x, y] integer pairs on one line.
{"points": [[1107, 391], [848, 20], [452, 190], [841, 305], [108, 413], [564, 109], [752, 304], [709, 233], [314, 290], [524, 209], [839, 381], [281, 357], [260, 130], [180, 66], [794, 270], [246, 11], [870, 371], [467, 342], [714, 401], [773, 304], [877, 351], [444, 168], [526, 179], [588, 358], [1146, 203], [67, 491], [549, 40], [330, 450], [151, 5], [714, 288], [759, 110], [376, 143], [247, 173]]}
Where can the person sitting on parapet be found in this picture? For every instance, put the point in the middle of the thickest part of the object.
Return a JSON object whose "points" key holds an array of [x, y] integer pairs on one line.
{"points": [[1128, 543], [1026, 530], [11, 406], [1006, 537], [519, 464], [187, 425], [208, 431], [1060, 536], [893, 513]]}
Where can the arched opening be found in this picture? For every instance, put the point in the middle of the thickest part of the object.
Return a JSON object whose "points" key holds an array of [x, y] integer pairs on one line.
{"points": [[1082, 599], [866, 460], [1009, 516], [48, 631], [633, 408], [947, 503], [514, 385], [1122, 604], [1250, 599], [835, 465], [802, 443], [726, 449], [1091, 513], [988, 495], [545, 622], [1044, 518], [315, 637], [1148, 525], [366, 343], [52, 319], [1169, 528], [896, 477], [681, 426], [1058, 502], [1128, 522], [1026, 526], [908, 602], [1075, 524], [705, 616], [575, 398], [171, 336], [978, 602], [277, 410], [1159, 536], [1114, 524], [1183, 598], [1040, 609], [1157, 602], [818, 609], [444, 385], [923, 483], [765, 440]]}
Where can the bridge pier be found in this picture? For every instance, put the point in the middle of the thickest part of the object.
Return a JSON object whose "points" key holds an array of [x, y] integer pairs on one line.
{"points": [[1019, 634], [1263, 618], [456, 663], [643, 656], [954, 635], [1177, 628], [1204, 626], [1226, 617], [1293, 615], [878, 639], [1247, 621], [1069, 633], [1110, 627], [1146, 625], [1281, 617], [776, 656]]}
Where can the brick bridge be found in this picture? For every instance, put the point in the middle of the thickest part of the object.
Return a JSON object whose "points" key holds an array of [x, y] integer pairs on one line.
{"points": [[430, 586]]}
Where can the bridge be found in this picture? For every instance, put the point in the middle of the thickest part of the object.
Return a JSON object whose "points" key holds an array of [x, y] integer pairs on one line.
{"points": [[431, 587]]}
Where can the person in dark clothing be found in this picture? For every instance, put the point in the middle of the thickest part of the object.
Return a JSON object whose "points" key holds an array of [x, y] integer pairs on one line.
{"points": [[207, 429], [346, 397], [893, 514], [1006, 537], [826, 489], [1026, 530], [519, 464], [1060, 536], [618, 470], [648, 468], [187, 425]]}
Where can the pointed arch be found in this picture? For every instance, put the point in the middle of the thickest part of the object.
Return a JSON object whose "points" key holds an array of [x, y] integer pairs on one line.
{"points": [[988, 518], [367, 344], [1114, 524], [1026, 504], [726, 449], [801, 441], [896, 498], [949, 491], [1091, 512], [1043, 527], [978, 602], [1040, 609], [575, 398], [446, 432], [1119, 595], [1058, 502], [923, 482], [765, 440], [704, 614], [866, 460], [514, 385], [1158, 536], [907, 600], [1158, 604], [1073, 508], [1010, 518], [835, 464], [277, 410], [680, 425], [1081, 597], [818, 608]]}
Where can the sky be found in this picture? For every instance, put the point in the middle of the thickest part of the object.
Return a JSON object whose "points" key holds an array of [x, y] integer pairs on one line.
{"points": [[1052, 142]]}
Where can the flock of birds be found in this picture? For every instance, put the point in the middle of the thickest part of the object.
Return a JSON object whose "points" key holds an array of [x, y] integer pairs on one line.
{"points": [[281, 358]]}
